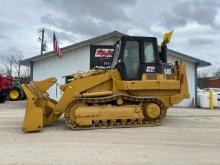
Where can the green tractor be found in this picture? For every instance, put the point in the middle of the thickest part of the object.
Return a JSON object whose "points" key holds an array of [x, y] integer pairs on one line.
{"points": [[16, 92]]}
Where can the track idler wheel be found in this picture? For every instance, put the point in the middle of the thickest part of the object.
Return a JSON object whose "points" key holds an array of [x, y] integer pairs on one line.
{"points": [[72, 114], [151, 111]]}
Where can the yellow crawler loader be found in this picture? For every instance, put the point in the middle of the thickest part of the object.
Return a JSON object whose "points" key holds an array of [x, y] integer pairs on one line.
{"points": [[135, 91]]}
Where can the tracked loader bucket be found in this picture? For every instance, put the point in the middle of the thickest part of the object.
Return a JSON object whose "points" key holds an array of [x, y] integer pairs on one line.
{"points": [[39, 105]]}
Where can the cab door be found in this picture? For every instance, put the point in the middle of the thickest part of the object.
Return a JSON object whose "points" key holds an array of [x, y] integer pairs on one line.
{"points": [[131, 59]]}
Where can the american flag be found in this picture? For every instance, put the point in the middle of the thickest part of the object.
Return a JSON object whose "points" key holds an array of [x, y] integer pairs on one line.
{"points": [[56, 47]]}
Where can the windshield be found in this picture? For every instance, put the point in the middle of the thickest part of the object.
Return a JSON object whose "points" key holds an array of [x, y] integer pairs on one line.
{"points": [[116, 55]]}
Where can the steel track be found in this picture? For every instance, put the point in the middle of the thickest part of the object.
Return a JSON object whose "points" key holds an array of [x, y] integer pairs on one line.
{"points": [[111, 123]]}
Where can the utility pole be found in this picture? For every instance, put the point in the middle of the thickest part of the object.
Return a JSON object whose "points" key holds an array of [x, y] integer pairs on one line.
{"points": [[10, 67], [43, 45]]}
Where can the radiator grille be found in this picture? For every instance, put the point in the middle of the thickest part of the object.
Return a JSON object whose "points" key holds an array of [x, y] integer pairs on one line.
{"points": [[170, 76], [151, 76]]}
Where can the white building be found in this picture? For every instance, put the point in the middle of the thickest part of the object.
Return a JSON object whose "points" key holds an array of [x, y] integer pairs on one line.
{"points": [[77, 58]]}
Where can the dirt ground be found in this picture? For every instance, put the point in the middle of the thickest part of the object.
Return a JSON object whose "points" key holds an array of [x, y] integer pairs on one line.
{"points": [[187, 136]]}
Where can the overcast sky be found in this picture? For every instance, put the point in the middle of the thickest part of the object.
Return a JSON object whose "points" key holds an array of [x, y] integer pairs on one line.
{"points": [[196, 23]]}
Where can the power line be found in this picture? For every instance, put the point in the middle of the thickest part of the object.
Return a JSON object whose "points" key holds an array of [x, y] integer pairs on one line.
{"points": [[17, 19], [43, 44]]}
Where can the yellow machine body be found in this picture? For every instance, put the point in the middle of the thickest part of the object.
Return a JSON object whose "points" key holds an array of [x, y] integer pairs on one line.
{"points": [[101, 84], [85, 115]]}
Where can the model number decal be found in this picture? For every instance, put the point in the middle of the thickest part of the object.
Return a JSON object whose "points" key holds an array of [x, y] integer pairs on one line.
{"points": [[150, 69], [167, 71]]}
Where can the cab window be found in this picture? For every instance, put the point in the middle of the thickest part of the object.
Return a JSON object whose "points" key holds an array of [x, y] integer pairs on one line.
{"points": [[116, 55], [149, 54]]}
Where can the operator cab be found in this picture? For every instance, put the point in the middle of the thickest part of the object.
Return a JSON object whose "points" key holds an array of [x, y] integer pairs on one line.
{"points": [[134, 56]]}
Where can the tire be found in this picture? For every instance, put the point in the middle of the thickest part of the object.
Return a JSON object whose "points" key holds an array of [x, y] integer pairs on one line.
{"points": [[15, 94]]}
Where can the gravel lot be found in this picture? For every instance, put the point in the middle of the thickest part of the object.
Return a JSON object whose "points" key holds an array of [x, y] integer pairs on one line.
{"points": [[187, 136]]}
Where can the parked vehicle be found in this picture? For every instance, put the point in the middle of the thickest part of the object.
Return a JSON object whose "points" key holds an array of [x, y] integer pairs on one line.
{"points": [[135, 91], [16, 93], [6, 84]]}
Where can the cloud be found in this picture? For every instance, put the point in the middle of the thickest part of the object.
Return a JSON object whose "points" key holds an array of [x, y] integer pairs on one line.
{"points": [[196, 23], [88, 17], [202, 12], [5, 29], [172, 21], [62, 36], [104, 10], [78, 25], [3, 37], [200, 41], [6, 53]]}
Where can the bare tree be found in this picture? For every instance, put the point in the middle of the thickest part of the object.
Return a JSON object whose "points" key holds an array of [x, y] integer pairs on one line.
{"points": [[25, 72], [217, 73], [17, 64], [8, 70], [203, 75], [7, 67], [25, 75], [2, 71], [12, 65], [203, 79]]}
